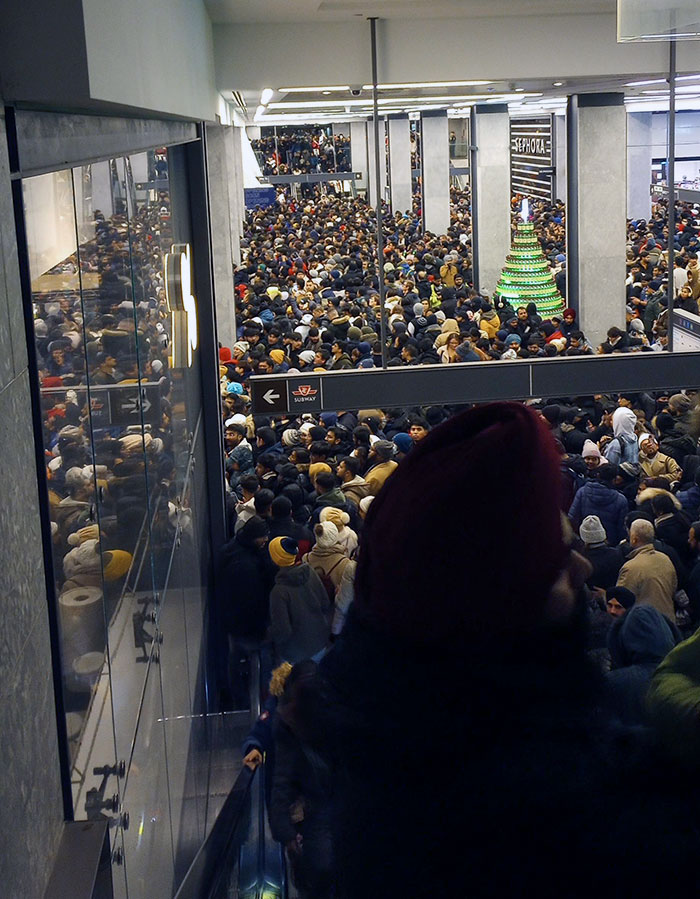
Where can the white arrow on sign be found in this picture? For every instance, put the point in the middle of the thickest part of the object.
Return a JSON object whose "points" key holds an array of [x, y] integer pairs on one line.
{"points": [[270, 396], [135, 403]]}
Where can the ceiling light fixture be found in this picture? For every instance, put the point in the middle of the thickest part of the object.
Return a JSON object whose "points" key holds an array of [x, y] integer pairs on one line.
{"points": [[557, 84], [313, 90], [519, 90], [411, 85], [266, 95]]}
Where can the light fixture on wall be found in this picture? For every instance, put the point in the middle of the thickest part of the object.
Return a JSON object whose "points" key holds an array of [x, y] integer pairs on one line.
{"points": [[182, 305]]}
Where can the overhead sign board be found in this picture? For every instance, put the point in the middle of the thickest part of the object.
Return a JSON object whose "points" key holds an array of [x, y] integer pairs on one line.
{"points": [[532, 157], [272, 396], [128, 403]]}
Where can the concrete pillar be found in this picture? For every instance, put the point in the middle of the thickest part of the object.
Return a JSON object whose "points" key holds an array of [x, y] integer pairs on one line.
{"points": [[435, 170], [382, 162], [234, 164], [358, 153], [401, 185], [220, 196], [595, 219], [490, 177], [560, 157], [639, 156]]}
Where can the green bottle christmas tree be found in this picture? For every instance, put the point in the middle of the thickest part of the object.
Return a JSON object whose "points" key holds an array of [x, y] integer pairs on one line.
{"points": [[526, 277]]}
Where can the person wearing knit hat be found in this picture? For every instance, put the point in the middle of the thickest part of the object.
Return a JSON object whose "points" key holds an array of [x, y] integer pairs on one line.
{"points": [[306, 357], [115, 564], [403, 443], [592, 531], [291, 437], [277, 356], [606, 561], [300, 611], [283, 551], [347, 538], [510, 653], [327, 557], [592, 456]]}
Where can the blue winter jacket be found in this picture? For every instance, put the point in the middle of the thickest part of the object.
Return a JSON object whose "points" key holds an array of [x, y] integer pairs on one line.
{"points": [[595, 498], [637, 647]]}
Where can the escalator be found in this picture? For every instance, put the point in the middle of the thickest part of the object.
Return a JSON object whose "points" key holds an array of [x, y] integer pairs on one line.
{"points": [[240, 859]]}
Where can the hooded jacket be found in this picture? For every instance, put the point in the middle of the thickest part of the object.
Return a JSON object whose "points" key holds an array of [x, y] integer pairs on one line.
{"points": [[355, 490], [300, 614], [596, 498], [643, 638], [624, 446]]}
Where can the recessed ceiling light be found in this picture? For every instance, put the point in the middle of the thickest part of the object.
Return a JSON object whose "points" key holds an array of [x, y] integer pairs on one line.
{"points": [[557, 83], [519, 89], [313, 90], [325, 92]]}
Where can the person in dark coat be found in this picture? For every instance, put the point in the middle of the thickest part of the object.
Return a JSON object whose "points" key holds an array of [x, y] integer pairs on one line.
{"points": [[248, 576], [598, 497], [642, 639], [283, 525], [606, 561], [463, 724], [300, 614], [301, 787]]}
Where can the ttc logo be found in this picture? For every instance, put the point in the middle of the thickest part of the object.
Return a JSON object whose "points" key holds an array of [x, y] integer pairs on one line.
{"points": [[305, 390]]}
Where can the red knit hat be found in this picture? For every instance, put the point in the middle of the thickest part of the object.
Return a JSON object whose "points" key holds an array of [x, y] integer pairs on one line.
{"points": [[224, 354], [464, 540]]}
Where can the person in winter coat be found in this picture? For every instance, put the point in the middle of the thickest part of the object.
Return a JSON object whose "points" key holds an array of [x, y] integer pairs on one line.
{"points": [[353, 485], [283, 525], [671, 525], [347, 538], [605, 560], [328, 557], [489, 322], [592, 457], [531, 770], [648, 573], [302, 779], [638, 642], [259, 744], [690, 498], [598, 497], [673, 700], [623, 447], [655, 464], [248, 576], [382, 465], [300, 612]]}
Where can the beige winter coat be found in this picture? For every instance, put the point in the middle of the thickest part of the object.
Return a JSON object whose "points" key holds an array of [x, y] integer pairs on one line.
{"points": [[650, 575]]}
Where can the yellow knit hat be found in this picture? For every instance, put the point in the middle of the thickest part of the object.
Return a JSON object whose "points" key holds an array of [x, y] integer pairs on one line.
{"points": [[277, 356], [283, 551], [116, 563]]}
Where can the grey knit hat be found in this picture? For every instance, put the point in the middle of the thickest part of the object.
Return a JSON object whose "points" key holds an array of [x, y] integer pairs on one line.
{"points": [[592, 531]]}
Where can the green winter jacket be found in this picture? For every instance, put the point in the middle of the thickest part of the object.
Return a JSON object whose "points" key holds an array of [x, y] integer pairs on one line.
{"points": [[673, 701]]}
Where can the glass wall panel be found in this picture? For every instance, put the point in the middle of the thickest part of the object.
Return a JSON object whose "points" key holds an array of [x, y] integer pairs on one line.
{"points": [[116, 337]]}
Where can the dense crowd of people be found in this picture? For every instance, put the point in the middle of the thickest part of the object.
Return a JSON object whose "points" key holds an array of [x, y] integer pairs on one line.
{"points": [[102, 327], [393, 566], [307, 292], [291, 151]]}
